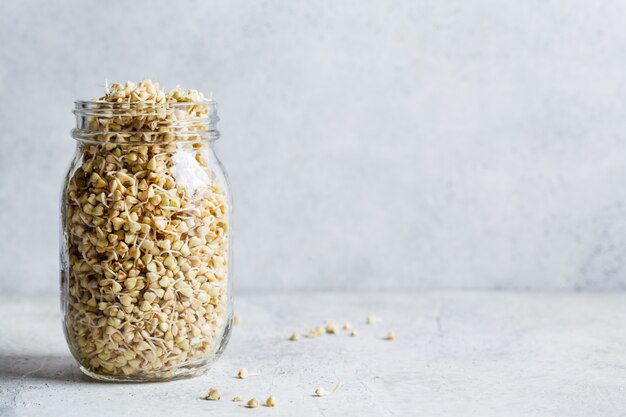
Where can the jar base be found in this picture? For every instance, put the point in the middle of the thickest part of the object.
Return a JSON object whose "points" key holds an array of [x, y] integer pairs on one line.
{"points": [[180, 373]]}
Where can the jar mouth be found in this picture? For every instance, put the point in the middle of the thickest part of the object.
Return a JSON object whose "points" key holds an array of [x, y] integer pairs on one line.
{"points": [[104, 104], [145, 122]]}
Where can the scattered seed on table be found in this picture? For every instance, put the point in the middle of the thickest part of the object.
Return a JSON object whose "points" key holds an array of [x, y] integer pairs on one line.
{"points": [[318, 331], [371, 319], [331, 327], [213, 395], [321, 392], [242, 373], [271, 401]]}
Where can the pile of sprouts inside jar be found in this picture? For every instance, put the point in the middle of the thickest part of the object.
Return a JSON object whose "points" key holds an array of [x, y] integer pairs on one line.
{"points": [[147, 236]]}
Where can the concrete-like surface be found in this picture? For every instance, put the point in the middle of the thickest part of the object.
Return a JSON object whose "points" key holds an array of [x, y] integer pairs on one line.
{"points": [[456, 354]]}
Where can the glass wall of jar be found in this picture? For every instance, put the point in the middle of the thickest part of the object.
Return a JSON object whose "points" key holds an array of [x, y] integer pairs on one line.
{"points": [[145, 241]]}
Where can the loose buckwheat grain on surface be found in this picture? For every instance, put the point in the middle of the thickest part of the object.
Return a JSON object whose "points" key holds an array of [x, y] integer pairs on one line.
{"points": [[213, 395], [242, 373], [147, 236], [271, 401]]}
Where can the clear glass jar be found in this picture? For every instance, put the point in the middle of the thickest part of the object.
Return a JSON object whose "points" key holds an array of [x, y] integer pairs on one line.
{"points": [[145, 241]]}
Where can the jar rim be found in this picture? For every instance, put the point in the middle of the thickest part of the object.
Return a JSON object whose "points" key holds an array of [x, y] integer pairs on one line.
{"points": [[200, 126], [87, 102], [87, 107]]}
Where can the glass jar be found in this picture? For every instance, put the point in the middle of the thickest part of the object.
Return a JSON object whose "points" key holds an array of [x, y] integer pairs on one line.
{"points": [[145, 241]]}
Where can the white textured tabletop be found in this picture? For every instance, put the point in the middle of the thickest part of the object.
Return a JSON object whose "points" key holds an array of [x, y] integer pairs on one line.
{"points": [[455, 354]]}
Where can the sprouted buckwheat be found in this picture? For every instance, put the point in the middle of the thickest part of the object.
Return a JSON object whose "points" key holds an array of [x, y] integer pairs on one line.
{"points": [[147, 235]]}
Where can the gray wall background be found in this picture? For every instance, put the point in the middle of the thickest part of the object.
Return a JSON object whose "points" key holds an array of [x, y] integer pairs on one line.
{"points": [[370, 145]]}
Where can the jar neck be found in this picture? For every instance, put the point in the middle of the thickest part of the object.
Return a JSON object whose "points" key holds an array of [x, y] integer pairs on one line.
{"points": [[145, 123]]}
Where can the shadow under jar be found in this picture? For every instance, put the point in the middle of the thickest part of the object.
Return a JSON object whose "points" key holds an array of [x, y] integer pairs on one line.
{"points": [[145, 241]]}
